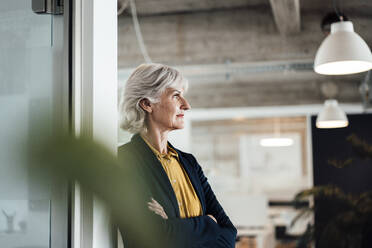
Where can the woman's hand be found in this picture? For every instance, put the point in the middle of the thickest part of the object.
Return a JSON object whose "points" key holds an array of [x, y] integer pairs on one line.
{"points": [[212, 217], [155, 207]]}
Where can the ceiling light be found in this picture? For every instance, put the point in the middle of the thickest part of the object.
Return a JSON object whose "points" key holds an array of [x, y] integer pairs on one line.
{"points": [[343, 52], [276, 142], [331, 116]]}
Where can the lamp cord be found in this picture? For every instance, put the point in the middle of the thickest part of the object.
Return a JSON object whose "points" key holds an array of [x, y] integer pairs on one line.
{"points": [[337, 7], [138, 32]]}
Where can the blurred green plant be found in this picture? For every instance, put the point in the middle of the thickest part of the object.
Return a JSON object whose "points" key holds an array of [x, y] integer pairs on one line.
{"points": [[99, 171]]}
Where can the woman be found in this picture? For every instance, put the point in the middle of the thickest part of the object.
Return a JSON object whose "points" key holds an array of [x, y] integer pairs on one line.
{"points": [[178, 193]]}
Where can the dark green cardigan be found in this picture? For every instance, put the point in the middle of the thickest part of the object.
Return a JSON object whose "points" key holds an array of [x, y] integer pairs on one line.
{"points": [[199, 231]]}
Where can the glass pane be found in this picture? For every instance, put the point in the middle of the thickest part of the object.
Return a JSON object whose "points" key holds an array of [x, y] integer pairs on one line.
{"points": [[26, 88]]}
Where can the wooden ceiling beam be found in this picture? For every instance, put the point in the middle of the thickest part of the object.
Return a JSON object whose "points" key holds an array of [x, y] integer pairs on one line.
{"points": [[287, 16]]}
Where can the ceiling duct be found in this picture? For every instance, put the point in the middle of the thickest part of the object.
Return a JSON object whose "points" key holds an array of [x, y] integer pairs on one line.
{"points": [[224, 72], [227, 70]]}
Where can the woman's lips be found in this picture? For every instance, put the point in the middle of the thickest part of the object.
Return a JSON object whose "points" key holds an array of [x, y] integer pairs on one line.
{"points": [[181, 115]]}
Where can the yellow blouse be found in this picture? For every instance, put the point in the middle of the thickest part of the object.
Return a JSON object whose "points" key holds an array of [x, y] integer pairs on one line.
{"points": [[188, 201]]}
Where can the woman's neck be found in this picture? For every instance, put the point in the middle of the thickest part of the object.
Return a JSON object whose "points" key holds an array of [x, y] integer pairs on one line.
{"points": [[157, 139]]}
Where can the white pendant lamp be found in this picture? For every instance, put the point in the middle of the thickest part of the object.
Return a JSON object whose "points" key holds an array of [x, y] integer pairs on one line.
{"points": [[343, 52], [276, 140], [331, 116]]}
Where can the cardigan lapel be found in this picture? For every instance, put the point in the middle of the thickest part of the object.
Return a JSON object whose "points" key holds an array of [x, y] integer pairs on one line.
{"points": [[188, 168], [155, 166]]}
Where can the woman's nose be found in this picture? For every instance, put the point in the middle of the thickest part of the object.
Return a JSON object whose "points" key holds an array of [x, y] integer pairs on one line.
{"points": [[185, 105]]}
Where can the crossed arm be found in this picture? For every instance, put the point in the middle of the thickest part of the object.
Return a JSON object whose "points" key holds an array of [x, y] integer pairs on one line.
{"points": [[155, 207], [213, 230]]}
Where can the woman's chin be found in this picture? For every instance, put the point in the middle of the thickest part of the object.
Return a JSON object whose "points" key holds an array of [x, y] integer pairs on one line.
{"points": [[178, 126]]}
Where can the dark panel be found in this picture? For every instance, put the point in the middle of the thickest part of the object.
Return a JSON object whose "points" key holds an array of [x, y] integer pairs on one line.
{"points": [[332, 144], [348, 227]]}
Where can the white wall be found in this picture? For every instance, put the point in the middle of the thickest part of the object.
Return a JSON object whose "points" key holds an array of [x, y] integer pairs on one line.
{"points": [[104, 101], [95, 101], [105, 72]]}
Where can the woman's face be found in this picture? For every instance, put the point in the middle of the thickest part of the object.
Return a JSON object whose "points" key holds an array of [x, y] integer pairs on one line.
{"points": [[168, 113]]}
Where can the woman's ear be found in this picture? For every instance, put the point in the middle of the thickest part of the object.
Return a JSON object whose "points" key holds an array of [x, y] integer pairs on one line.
{"points": [[146, 105]]}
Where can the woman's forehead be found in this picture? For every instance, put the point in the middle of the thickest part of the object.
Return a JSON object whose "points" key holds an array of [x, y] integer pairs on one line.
{"points": [[175, 88]]}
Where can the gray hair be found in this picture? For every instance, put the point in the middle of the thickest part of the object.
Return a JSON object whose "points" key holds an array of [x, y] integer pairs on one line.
{"points": [[146, 81]]}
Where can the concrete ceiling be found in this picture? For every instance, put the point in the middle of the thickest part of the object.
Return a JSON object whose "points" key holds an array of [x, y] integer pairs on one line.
{"points": [[156, 7], [213, 33]]}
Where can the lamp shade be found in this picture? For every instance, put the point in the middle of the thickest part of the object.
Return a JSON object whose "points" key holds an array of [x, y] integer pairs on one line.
{"points": [[343, 52], [331, 116]]}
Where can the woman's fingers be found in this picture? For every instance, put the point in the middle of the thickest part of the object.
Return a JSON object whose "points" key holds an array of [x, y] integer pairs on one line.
{"points": [[212, 217], [157, 208], [155, 203]]}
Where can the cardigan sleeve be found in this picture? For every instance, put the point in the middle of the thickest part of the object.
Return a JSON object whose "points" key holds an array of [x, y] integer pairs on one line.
{"points": [[199, 231], [213, 207]]}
